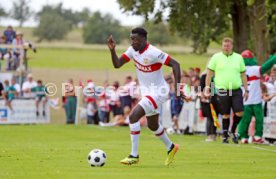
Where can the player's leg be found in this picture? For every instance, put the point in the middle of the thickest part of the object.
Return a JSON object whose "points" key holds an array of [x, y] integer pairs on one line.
{"points": [[258, 112], [244, 123], [157, 128], [134, 126], [225, 101], [237, 105]]}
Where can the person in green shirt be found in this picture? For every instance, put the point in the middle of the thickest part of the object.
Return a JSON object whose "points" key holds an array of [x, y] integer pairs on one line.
{"points": [[40, 96], [229, 70], [9, 94]]}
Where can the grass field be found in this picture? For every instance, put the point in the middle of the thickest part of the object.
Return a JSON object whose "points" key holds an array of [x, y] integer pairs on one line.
{"points": [[59, 151]]}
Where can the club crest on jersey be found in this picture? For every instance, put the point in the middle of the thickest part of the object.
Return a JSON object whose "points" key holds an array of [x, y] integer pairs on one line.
{"points": [[146, 61]]}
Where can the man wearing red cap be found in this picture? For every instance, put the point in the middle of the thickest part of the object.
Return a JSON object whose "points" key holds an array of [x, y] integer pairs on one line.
{"points": [[253, 105]]}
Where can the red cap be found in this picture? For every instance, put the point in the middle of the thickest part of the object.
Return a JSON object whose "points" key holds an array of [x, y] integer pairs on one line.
{"points": [[88, 81], [247, 54]]}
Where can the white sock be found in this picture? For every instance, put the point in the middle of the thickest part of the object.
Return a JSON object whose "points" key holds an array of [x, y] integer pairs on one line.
{"points": [[160, 132], [134, 135]]}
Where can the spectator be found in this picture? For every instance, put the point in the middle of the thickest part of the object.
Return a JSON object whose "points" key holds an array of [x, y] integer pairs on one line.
{"points": [[10, 93], [175, 106], [103, 108], [114, 102], [16, 85], [92, 113], [1, 89], [191, 72], [40, 96], [27, 87], [10, 34], [17, 53], [125, 97], [70, 102], [4, 52], [197, 72], [206, 110], [189, 104]]}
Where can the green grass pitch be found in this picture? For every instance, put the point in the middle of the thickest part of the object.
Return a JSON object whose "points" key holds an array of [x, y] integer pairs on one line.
{"points": [[60, 151]]}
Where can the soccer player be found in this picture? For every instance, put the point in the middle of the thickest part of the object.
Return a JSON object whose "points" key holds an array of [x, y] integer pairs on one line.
{"points": [[148, 62], [229, 70]]}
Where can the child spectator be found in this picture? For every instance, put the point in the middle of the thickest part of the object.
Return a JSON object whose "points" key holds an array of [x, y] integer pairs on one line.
{"points": [[9, 94], [92, 113], [40, 96]]}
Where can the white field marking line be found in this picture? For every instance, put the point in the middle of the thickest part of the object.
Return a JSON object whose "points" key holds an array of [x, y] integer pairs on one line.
{"points": [[260, 148]]}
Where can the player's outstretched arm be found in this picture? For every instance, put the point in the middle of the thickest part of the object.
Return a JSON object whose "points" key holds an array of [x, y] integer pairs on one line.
{"points": [[268, 64], [117, 62], [176, 72]]}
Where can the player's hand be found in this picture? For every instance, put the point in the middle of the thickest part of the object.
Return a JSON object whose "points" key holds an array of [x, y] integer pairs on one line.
{"points": [[245, 95], [111, 43]]}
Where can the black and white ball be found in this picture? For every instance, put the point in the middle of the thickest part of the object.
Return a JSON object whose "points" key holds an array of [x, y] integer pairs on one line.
{"points": [[96, 158]]}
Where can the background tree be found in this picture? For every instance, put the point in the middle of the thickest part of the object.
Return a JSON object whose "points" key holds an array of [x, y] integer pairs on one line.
{"points": [[2, 12], [201, 21], [83, 16], [205, 21], [258, 19], [158, 33], [271, 10], [21, 11], [52, 27], [99, 27], [55, 21]]}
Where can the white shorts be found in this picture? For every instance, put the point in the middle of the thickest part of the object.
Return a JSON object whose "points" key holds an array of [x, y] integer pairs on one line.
{"points": [[152, 104]]}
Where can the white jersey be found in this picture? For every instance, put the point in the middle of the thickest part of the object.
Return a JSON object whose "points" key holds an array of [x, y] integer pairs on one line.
{"points": [[148, 63], [253, 74]]}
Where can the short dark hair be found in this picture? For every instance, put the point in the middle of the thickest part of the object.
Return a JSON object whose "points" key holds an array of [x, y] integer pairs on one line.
{"points": [[140, 31]]}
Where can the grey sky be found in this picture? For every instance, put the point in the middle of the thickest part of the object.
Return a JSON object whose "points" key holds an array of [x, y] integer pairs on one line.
{"points": [[105, 6]]}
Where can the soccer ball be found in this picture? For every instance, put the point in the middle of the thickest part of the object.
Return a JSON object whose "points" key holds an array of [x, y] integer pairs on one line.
{"points": [[96, 158], [170, 131]]}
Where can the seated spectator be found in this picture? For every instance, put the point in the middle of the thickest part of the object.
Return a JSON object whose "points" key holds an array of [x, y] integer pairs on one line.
{"points": [[1, 90], [10, 34], [27, 87], [9, 93], [16, 85], [40, 93]]}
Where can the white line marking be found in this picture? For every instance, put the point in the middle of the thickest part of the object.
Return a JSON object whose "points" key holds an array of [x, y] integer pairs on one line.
{"points": [[260, 148]]}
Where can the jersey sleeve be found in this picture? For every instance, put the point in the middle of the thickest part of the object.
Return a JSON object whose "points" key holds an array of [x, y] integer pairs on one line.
{"points": [[212, 63], [242, 65], [162, 57], [128, 55]]}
